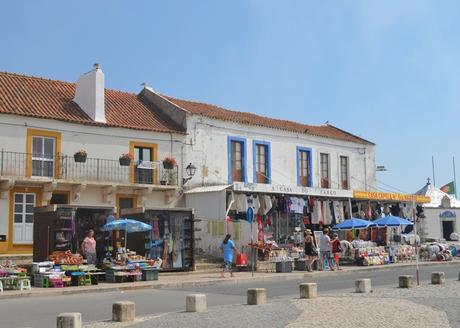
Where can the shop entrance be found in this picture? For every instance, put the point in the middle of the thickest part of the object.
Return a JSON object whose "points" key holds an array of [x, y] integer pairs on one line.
{"points": [[447, 229]]}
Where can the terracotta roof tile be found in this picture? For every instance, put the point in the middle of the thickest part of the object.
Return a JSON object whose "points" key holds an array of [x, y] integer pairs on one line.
{"points": [[212, 111], [51, 99]]}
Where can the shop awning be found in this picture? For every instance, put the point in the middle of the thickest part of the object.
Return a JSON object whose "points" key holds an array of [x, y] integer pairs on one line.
{"points": [[210, 202], [290, 190], [391, 197], [200, 190]]}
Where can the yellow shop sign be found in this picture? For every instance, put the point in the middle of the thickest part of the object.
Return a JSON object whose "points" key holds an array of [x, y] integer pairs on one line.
{"points": [[387, 196]]}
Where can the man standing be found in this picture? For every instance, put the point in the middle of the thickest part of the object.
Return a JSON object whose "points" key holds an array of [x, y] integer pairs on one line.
{"points": [[325, 249]]}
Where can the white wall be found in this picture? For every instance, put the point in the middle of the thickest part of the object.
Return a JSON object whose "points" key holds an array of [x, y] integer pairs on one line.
{"points": [[208, 152], [99, 142], [433, 222]]}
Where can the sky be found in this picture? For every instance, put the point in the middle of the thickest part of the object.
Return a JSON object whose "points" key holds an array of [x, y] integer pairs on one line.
{"points": [[387, 71]]}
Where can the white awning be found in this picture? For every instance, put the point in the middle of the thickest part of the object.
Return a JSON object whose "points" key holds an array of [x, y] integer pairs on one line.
{"points": [[199, 190]]}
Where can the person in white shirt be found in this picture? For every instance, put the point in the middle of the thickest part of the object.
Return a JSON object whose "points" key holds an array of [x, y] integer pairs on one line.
{"points": [[325, 248]]}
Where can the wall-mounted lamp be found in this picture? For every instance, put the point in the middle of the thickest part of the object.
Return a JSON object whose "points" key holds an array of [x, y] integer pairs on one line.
{"points": [[191, 170]]}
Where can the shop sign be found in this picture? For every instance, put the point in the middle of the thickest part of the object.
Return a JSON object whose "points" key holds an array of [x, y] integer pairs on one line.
{"points": [[387, 196], [292, 190], [447, 215]]}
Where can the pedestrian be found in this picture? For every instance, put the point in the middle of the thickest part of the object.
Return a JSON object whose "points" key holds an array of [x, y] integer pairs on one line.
{"points": [[88, 247], [228, 248], [336, 250], [325, 249], [310, 249]]}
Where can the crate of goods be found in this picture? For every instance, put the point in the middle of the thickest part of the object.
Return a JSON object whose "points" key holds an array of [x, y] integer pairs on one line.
{"points": [[41, 281], [300, 265], [285, 266], [149, 274]]}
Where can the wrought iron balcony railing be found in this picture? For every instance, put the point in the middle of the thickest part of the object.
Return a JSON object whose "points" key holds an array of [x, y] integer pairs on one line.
{"points": [[64, 167]]}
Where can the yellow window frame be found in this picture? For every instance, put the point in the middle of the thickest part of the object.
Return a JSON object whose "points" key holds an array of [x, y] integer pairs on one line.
{"points": [[154, 148], [47, 134]]}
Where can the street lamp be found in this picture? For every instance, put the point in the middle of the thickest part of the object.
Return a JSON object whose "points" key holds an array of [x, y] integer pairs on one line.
{"points": [[191, 170]]}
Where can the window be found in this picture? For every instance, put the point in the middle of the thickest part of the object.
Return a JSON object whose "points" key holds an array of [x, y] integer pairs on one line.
{"points": [[60, 198], [261, 161], [43, 149], [42, 157], [23, 218], [145, 154], [344, 172], [324, 164], [237, 159], [125, 201], [304, 178], [142, 175]]}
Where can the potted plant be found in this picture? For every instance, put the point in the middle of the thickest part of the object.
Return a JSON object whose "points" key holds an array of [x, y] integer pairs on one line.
{"points": [[169, 162], [80, 156], [125, 159]]}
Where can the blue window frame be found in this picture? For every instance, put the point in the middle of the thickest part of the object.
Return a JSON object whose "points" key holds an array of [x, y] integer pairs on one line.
{"points": [[304, 167], [261, 162], [236, 166]]}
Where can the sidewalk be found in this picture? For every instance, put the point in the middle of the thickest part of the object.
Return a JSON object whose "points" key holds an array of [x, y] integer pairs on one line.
{"points": [[197, 279]]}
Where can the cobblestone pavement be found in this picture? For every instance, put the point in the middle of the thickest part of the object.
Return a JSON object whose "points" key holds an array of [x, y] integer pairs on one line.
{"points": [[420, 307], [445, 298]]}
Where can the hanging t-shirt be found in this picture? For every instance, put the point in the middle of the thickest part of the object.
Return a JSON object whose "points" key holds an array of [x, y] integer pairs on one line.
{"points": [[315, 216], [253, 201]]}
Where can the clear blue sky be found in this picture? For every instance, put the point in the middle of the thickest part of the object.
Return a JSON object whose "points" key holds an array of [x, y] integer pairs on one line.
{"points": [[385, 70]]}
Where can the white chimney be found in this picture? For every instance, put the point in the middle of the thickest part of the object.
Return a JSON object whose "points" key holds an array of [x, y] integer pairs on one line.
{"points": [[89, 94]]}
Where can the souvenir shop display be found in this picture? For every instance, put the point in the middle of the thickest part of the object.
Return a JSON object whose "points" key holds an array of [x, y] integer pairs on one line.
{"points": [[439, 251], [281, 221], [126, 265], [170, 239], [13, 277], [59, 274], [60, 229]]}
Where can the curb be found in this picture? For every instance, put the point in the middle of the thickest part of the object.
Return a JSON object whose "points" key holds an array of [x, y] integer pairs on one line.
{"points": [[203, 283]]}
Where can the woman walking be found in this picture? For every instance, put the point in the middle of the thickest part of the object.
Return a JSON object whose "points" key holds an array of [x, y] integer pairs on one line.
{"points": [[336, 250], [228, 247], [310, 250]]}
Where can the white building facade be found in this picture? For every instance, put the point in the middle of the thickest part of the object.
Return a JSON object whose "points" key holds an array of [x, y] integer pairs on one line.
{"points": [[244, 153], [40, 135]]}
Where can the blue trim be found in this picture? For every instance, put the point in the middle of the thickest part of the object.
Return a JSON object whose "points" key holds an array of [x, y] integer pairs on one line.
{"points": [[243, 157], [310, 162], [269, 166]]}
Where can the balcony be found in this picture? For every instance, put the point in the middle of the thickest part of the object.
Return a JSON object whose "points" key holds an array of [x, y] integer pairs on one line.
{"points": [[65, 168]]}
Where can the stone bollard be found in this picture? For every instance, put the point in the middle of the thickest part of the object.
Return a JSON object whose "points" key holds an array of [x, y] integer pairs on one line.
{"points": [[308, 290], [257, 296], [438, 278], [69, 320], [406, 281], [363, 286], [123, 311], [196, 303]]}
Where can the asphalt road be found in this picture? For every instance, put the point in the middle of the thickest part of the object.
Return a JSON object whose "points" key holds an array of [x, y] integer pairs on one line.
{"points": [[41, 312]]}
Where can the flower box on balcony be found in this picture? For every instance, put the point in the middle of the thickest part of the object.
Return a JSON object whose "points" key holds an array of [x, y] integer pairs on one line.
{"points": [[125, 160], [80, 156], [169, 162]]}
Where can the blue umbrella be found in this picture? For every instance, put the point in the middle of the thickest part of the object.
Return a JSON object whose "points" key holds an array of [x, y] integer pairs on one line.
{"points": [[128, 225], [392, 221], [354, 223]]}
